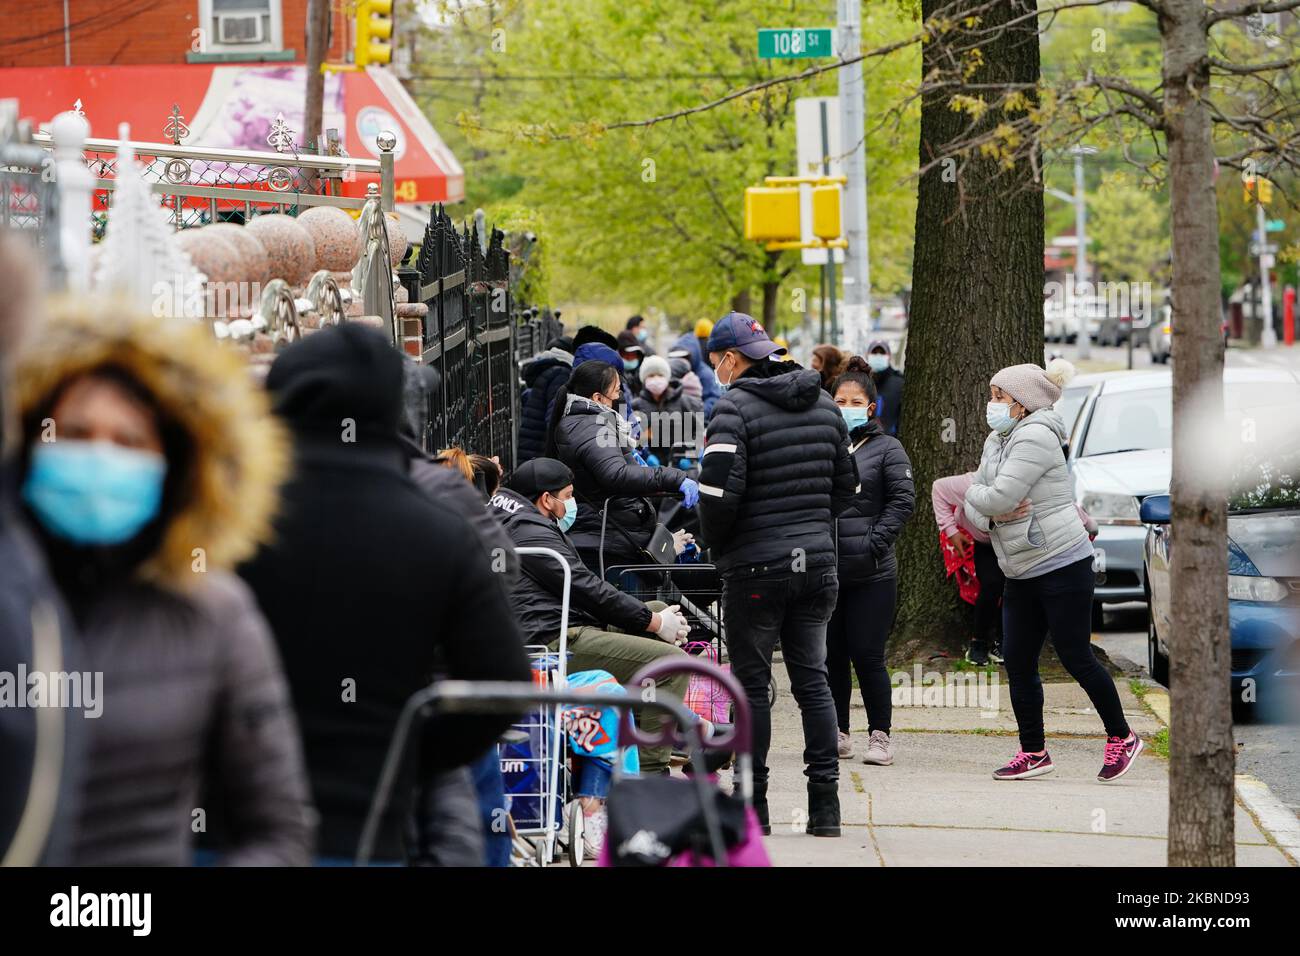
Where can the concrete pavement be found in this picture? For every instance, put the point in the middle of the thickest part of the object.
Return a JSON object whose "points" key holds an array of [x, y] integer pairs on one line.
{"points": [[939, 806]]}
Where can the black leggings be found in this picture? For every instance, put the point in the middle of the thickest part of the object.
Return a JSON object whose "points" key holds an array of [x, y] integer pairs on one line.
{"points": [[856, 636], [1059, 601], [988, 610]]}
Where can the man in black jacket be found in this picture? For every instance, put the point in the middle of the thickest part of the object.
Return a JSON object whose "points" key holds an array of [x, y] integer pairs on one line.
{"points": [[889, 386], [607, 629], [775, 472], [371, 587]]}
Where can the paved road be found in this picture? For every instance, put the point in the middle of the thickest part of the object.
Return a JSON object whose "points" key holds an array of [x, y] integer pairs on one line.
{"points": [[1268, 749], [1111, 357]]}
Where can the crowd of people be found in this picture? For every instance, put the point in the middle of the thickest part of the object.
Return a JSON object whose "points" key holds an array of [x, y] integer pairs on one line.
{"points": [[264, 574]]}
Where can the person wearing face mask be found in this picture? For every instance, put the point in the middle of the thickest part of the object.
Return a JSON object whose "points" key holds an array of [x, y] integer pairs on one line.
{"points": [[889, 386], [639, 328], [631, 354], [598, 444], [608, 630], [775, 473], [868, 569], [1023, 498], [150, 466], [671, 420]]}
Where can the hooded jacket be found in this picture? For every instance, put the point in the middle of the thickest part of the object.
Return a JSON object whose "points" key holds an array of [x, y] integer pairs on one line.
{"points": [[889, 399], [710, 392], [193, 690], [775, 473], [671, 423], [885, 500], [372, 587], [591, 440], [1026, 463], [543, 376], [538, 592]]}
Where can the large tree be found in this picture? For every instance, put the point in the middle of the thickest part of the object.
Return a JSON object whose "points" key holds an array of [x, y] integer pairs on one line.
{"points": [[977, 288]]}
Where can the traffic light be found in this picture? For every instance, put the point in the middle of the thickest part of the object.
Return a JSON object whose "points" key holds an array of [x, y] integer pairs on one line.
{"points": [[374, 30], [772, 213], [1257, 187]]}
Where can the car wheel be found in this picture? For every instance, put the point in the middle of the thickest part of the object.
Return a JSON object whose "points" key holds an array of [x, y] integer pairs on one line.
{"points": [[1157, 663]]}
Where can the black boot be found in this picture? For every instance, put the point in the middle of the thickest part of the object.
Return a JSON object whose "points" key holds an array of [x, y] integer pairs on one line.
{"points": [[824, 808], [760, 806]]}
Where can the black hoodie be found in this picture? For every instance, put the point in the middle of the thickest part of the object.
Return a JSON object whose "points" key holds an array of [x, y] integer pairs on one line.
{"points": [[371, 585], [776, 472]]}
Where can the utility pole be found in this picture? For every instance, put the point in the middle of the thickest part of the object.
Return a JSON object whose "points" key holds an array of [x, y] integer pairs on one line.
{"points": [[1267, 336], [857, 258], [318, 29], [1081, 253]]}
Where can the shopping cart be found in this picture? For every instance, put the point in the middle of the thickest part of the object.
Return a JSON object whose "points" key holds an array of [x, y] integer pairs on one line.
{"points": [[711, 826]]}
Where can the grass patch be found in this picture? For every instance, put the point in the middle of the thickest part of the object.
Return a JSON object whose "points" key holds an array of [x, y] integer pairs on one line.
{"points": [[1159, 744]]}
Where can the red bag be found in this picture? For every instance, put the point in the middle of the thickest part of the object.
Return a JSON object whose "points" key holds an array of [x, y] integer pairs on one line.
{"points": [[961, 564]]}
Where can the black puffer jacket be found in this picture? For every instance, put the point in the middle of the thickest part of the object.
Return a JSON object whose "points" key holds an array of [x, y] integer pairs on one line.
{"points": [[776, 471], [671, 424], [543, 376], [590, 440], [537, 593], [889, 399], [885, 499]]}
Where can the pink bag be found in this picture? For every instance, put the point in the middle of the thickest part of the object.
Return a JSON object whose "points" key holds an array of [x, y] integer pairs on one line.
{"points": [[704, 695], [749, 852]]}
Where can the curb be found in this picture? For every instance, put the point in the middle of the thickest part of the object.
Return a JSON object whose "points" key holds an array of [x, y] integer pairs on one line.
{"points": [[1273, 817]]}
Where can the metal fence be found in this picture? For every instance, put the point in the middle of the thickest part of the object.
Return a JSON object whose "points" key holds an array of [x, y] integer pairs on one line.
{"points": [[475, 336]]}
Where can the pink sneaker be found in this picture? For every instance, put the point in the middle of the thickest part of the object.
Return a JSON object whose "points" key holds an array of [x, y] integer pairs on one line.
{"points": [[1120, 754], [1023, 766]]}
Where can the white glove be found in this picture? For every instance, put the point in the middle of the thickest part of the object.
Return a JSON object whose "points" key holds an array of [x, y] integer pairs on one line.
{"points": [[680, 540], [673, 626]]}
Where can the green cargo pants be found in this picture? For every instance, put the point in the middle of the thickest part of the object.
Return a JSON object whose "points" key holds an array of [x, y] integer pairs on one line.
{"points": [[623, 655]]}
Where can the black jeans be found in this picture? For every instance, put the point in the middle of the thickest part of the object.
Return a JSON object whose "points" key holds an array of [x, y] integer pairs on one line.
{"points": [[856, 638], [988, 612], [1059, 601], [793, 607]]}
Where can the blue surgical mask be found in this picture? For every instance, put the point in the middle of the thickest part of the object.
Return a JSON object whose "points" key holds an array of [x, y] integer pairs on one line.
{"points": [[94, 493], [878, 362], [854, 417], [642, 334], [631, 364], [570, 514], [998, 415]]}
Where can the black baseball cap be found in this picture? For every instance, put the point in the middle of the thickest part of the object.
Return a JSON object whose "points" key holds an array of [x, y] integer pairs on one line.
{"points": [[736, 330], [540, 474]]}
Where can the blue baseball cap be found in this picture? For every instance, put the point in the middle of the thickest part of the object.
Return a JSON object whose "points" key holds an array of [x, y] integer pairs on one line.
{"points": [[736, 330]]}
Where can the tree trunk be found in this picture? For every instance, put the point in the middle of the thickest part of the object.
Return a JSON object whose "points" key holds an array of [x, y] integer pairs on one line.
{"points": [[318, 21], [1200, 733], [740, 302], [771, 293], [976, 307]]}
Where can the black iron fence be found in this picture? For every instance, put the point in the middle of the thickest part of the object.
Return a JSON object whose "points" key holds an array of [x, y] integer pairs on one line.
{"points": [[475, 336]]}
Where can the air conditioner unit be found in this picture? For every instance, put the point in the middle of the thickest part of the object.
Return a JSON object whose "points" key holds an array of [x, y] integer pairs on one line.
{"points": [[233, 28]]}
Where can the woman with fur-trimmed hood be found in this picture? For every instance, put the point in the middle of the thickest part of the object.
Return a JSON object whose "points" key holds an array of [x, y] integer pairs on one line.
{"points": [[150, 465]]}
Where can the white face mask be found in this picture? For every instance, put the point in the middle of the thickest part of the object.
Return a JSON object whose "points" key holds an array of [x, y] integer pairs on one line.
{"points": [[656, 385], [998, 416]]}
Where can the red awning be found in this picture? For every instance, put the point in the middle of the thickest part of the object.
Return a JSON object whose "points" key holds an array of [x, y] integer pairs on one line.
{"points": [[233, 107]]}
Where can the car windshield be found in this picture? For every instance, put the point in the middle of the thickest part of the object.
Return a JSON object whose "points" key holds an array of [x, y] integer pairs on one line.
{"points": [[1258, 415], [1069, 405]]}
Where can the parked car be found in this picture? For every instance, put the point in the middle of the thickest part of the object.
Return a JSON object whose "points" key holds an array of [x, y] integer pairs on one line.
{"points": [[1160, 335], [1119, 454], [1263, 580]]}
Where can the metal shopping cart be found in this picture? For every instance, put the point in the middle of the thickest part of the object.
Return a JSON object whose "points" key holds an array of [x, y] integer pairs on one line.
{"points": [[716, 829]]}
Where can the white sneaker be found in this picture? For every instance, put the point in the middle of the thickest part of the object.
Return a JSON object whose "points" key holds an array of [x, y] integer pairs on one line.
{"points": [[845, 746], [593, 834], [879, 750]]}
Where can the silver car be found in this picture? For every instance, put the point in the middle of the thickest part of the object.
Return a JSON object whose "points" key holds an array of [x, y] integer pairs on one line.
{"points": [[1119, 453]]}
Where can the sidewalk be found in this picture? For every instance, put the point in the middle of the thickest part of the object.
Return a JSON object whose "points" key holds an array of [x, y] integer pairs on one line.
{"points": [[938, 805]]}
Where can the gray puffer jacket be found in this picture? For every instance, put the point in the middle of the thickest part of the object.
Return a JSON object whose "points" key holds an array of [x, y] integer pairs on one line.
{"points": [[1026, 463]]}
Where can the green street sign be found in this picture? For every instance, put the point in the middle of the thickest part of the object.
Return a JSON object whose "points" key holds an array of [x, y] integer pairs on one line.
{"points": [[796, 43], [1274, 225]]}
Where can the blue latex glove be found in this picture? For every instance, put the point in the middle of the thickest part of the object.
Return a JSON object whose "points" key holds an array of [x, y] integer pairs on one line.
{"points": [[684, 464], [652, 461], [690, 489]]}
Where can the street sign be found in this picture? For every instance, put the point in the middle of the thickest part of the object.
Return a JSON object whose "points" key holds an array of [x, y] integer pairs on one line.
{"points": [[796, 43], [1264, 249], [1275, 225]]}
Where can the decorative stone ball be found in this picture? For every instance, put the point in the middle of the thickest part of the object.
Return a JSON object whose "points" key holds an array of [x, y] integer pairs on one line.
{"points": [[216, 256], [256, 265], [290, 248], [335, 235]]}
